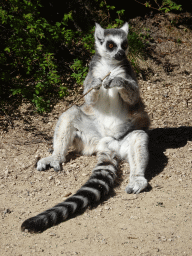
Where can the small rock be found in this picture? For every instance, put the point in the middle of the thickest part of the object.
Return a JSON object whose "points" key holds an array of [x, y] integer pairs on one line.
{"points": [[50, 177], [158, 186], [57, 181], [37, 156], [6, 172], [74, 165], [67, 194], [7, 211], [52, 234], [163, 238], [84, 174]]}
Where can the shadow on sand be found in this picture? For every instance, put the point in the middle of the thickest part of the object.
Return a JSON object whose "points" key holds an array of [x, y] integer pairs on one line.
{"points": [[161, 139]]}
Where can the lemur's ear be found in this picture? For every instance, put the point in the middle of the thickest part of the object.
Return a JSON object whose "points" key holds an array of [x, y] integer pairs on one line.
{"points": [[125, 28], [99, 33]]}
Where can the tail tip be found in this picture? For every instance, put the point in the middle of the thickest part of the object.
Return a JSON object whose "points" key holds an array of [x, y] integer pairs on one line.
{"points": [[29, 226]]}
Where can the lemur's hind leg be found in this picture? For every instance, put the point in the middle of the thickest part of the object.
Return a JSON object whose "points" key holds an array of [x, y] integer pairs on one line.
{"points": [[134, 148], [73, 128], [65, 132]]}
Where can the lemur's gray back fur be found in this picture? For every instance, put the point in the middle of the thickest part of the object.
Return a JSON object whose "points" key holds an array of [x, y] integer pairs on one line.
{"points": [[111, 123]]}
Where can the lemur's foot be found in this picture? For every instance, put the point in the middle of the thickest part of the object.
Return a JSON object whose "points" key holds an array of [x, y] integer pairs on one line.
{"points": [[49, 161], [136, 185]]}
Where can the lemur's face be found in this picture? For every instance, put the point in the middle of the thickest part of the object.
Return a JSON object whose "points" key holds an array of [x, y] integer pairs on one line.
{"points": [[115, 48], [112, 44]]}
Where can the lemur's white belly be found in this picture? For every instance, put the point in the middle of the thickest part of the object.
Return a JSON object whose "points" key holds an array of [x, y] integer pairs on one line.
{"points": [[112, 114]]}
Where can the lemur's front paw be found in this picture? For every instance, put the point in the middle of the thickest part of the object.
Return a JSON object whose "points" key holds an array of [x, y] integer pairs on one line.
{"points": [[47, 162], [107, 83], [136, 186], [112, 82], [96, 83]]}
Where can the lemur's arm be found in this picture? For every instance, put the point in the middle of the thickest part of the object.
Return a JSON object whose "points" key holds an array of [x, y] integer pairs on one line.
{"points": [[91, 82]]}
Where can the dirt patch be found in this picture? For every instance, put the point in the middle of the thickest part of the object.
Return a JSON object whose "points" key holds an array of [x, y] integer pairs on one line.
{"points": [[155, 222]]}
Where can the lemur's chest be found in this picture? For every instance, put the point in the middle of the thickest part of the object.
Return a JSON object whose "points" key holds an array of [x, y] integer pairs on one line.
{"points": [[110, 110], [109, 102], [111, 113]]}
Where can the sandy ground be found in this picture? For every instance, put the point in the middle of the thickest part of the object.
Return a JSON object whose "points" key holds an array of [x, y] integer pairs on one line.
{"points": [[155, 222]]}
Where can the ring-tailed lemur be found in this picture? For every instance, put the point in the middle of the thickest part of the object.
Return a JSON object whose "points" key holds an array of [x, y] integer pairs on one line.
{"points": [[111, 123]]}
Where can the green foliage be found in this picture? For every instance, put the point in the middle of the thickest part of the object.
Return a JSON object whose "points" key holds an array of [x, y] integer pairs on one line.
{"points": [[105, 5], [80, 71], [28, 65], [28, 56], [136, 47], [135, 43], [80, 66], [164, 5], [169, 5]]}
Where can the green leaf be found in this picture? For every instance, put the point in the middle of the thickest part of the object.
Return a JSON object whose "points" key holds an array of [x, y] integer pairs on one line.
{"points": [[58, 24], [7, 49]]}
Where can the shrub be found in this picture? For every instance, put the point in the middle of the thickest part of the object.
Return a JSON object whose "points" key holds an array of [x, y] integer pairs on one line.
{"points": [[29, 56], [28, 67]]}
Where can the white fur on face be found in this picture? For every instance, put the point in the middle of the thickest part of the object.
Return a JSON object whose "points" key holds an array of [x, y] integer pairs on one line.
{"points": [[101, 40], [105, 53]]}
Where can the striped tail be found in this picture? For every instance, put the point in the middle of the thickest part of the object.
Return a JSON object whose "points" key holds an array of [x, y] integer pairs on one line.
{"points": [[99, 185]]}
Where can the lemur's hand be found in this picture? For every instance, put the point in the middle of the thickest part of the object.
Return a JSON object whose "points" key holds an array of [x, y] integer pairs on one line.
{"points": [[106, 83], [96, 83], [112, 82]]}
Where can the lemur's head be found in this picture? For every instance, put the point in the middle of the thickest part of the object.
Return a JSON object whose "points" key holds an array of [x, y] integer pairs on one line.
{"points": [[112, 44]]}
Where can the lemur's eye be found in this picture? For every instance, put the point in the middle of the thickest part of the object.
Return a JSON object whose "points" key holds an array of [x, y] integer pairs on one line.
{"points": [[111, 45]]}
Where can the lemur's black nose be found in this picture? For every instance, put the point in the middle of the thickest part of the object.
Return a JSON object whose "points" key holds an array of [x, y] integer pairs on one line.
{"points": [[120, 55]]}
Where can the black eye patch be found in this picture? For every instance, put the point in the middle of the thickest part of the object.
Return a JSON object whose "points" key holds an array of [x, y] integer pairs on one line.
{"points": [[124, 45], [111, 45]]}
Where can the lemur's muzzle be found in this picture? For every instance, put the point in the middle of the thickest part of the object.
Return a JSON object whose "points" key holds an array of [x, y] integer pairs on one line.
{"points": [[120, 55]]}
